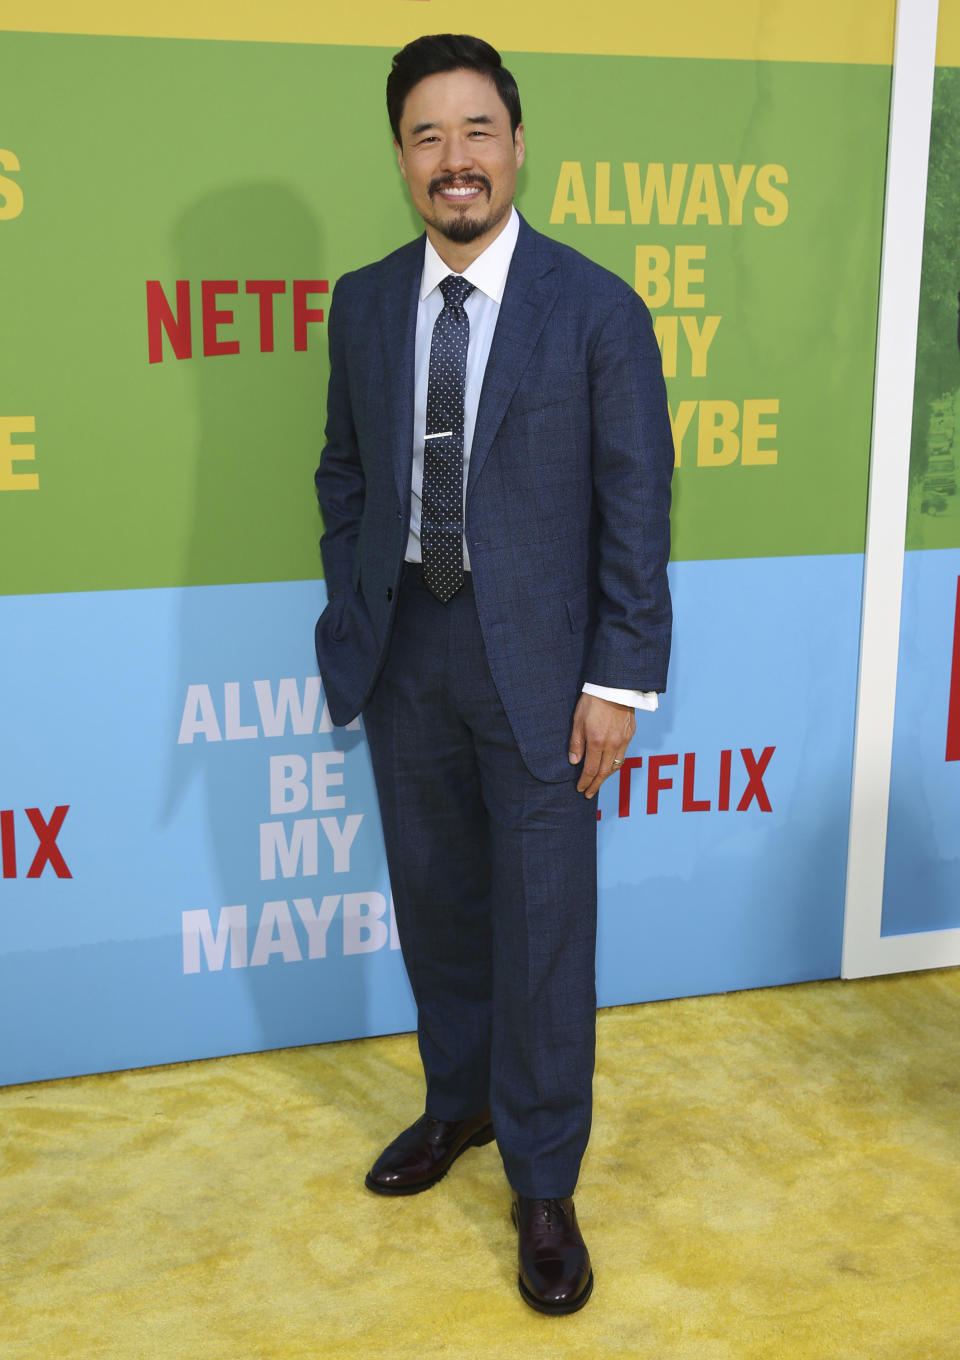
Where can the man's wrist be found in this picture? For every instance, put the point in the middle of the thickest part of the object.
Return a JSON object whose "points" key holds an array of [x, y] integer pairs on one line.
{"points": [[633, 698]]}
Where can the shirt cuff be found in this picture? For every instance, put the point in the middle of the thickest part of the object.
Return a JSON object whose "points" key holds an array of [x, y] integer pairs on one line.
{"points": [[634, 698]]}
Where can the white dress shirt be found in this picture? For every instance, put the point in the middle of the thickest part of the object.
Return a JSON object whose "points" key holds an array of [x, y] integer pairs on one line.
{"points": [[488, 274]]}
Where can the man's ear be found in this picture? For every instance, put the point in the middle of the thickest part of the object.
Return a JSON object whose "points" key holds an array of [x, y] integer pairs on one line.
{"points": [[399, 150], [518, 146]]}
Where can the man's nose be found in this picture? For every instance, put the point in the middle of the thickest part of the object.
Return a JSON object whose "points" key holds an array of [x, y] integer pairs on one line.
{"points": [[458, 155]]}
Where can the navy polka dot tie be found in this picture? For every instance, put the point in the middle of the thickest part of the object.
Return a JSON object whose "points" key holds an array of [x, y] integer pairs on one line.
{"points": [[441, 517]]}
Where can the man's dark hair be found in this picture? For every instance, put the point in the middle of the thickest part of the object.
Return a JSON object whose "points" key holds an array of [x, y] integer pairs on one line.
{"points": [[438, 52]]}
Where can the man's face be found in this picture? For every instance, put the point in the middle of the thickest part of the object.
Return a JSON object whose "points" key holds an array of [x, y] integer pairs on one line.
{"points": [[458, 156]]}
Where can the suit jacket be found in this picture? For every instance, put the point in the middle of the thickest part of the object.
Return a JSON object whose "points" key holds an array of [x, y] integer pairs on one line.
{"points": [[567, 500]]}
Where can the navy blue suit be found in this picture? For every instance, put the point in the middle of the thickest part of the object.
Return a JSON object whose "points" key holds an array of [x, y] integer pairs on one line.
{"points": [[491, 850]]}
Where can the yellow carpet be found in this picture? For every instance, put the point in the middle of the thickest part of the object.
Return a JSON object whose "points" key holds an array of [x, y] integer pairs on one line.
{"points": [[772, 1174]]}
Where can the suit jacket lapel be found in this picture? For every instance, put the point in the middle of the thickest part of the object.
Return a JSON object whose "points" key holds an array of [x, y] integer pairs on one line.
{"points": [[531, 291], [398, 330]]}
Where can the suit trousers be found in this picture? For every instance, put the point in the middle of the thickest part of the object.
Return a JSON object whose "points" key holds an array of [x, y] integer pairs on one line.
{"points": [[494, 882]]}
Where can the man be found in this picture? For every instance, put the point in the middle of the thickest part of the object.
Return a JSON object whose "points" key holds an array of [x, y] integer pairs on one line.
{"points": [[495, 492]]}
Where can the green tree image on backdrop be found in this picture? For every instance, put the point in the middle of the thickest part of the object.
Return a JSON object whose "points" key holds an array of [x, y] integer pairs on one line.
{"points": [[933, 516]]}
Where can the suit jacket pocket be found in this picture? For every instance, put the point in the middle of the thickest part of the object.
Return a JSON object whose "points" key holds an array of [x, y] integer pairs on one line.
{"points": [[578, 611]]}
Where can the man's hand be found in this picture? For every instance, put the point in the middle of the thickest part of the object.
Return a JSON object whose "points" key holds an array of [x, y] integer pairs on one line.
{"points": [[601, 734]]}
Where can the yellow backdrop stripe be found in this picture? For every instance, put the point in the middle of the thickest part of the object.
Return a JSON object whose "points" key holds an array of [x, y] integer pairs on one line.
{"points": [[948, 33], [859, 31]]}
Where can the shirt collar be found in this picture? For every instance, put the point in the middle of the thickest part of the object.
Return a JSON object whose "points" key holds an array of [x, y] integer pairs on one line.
{"points": [[488, 272]]}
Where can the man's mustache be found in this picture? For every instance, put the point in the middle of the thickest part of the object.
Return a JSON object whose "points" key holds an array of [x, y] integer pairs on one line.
{"points": [[459, 182]]}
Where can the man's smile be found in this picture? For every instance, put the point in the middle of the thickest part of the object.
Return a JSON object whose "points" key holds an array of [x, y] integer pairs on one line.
{"points": [[453, 191]]}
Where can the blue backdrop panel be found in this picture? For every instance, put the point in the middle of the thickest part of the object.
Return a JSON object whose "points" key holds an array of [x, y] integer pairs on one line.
{"points": [[921, 889], [92, 972], [227, 888], [708, 899]]}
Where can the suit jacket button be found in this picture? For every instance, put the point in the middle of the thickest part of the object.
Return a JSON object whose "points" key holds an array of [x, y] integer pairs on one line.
{"points": [[389, 592]]}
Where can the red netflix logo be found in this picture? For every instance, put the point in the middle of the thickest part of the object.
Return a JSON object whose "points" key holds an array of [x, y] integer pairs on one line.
{"points": [[717, 782], [953, 709], [175, 323], [46, 850]]}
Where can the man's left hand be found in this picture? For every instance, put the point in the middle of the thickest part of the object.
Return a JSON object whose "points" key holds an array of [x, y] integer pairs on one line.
{"points": [[600, 736]]}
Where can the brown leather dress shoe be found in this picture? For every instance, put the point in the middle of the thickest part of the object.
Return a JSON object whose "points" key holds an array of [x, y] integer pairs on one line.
{"points": [[555, 1275], [425, 1152]]}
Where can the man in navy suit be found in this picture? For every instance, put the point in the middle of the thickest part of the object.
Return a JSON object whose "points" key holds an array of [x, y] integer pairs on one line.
{"points": [[498, 638]]}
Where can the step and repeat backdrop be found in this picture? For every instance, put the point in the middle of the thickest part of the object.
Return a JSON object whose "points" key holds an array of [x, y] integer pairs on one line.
{"points": [[922, 876], [191, 853]]}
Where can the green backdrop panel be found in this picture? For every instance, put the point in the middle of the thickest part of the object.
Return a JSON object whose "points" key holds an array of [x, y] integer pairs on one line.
{"points": [[166, 161], [796, 294]]}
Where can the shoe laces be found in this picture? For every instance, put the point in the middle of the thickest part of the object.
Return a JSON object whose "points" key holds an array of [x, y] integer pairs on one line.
{"points": [[551, 1212]]}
